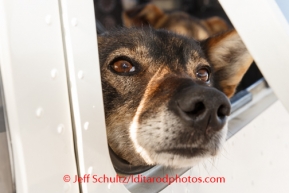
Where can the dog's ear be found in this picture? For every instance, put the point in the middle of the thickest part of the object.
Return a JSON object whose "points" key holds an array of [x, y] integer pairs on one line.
{"points": [[215, 25], [229, 58], [148, 14]]}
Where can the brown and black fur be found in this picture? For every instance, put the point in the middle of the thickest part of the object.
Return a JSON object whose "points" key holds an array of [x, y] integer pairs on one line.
{"points": [[178, 22], [143, 126]]}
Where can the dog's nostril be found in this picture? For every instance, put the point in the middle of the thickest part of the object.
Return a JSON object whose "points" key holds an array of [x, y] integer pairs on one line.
{"points": [[197, 109], [223, 111]]}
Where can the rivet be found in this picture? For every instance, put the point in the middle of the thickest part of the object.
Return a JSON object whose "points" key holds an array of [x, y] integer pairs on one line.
{"points": [[66, 187], [48, 19], [74, 22], [80, 75], [89, 170], [53, 73], [39, 112], [187, 190], [60, 128], [86, 124]]}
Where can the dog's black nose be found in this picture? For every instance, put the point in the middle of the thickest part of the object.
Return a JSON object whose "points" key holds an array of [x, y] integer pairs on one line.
{"points": [[201, 107]]}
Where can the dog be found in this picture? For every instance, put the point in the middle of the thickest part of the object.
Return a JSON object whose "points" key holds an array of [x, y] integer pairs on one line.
{"points": [[166, 95], [178, 22]]}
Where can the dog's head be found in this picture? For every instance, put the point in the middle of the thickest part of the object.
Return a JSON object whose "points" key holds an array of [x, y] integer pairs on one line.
{"points": [[178, 22], [166, 96]]}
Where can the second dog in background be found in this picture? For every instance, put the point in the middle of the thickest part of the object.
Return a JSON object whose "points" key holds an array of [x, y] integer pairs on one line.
{"points": [[178, 22]]}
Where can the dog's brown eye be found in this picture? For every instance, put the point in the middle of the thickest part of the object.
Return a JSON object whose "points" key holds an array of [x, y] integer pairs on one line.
{"points": [[203, 74], [122, 66]]}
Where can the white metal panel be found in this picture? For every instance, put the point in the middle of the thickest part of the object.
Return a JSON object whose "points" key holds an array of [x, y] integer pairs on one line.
{"points": [[35, 89], [265, 31], [84, 72]]}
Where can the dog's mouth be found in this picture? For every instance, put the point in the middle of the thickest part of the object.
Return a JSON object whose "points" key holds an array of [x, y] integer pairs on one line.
{"points": [[185, 152], [123, 167]]}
